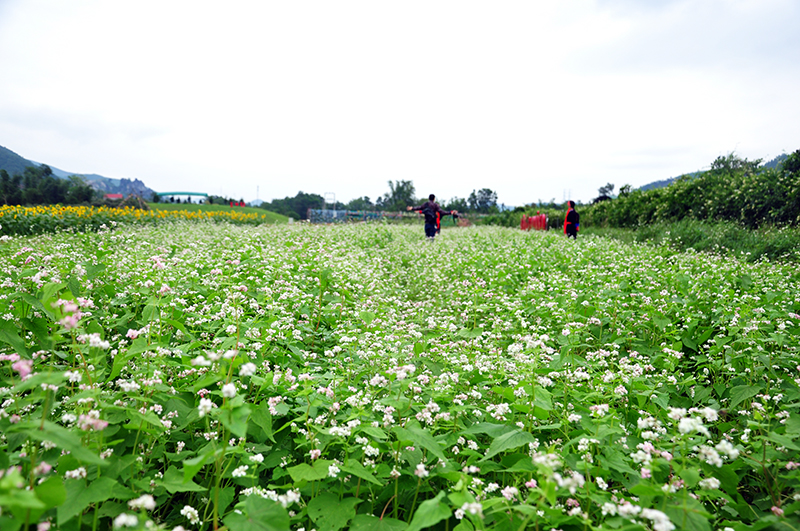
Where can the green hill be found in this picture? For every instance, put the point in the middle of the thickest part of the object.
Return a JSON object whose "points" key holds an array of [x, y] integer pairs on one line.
{"points": [[13, 163]]}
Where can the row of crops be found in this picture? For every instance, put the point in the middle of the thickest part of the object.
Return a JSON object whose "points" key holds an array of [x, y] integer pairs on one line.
{"points": [[362, 378], [48, 219]]}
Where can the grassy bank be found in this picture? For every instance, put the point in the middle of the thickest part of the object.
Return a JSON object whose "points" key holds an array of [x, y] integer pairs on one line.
{"points": [[718, 237]]}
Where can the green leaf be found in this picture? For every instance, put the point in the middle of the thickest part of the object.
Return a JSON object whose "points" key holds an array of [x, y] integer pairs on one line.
{"points": [[37, 380], [175, 481], [366, 522], [691, 476], [261, 418], [61, 437], [688, 514], [179, 326], [8, 334], [740, 393], [492, 430], [509, 441], [357, 469], [52, 491], [465, 525], [79, 496], [330, 513], [430, 512], [120, 360], [236, 420], [782, 440], [259, 515], [74, 286], [192, 466], [305, 472], [367, 317], [415, 433], [542, 398], [40, 330]]}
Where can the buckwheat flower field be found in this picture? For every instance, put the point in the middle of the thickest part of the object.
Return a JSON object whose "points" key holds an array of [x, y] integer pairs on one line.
{"points": [[198, 376]]}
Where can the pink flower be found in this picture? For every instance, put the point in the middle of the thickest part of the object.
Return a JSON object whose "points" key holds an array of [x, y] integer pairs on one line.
{"points": [[43, 468], [646, 473], [531, 484], [86, 423], [23, 367], [777, 511]]}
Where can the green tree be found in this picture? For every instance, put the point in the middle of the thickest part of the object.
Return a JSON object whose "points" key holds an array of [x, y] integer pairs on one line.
{"points": [[483, 201], [10, 188], [401, 194], [295, 207], [360, 203], [457, 203], [604, 193], [78, 191]]}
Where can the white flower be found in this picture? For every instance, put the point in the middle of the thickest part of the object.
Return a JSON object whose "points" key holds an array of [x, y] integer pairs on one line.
{"points": [[474, 508], [333, 471], [145, 501], [661, 521], [229, 390], [709, 483], [676, 413], [421, 472], [509, 493], [248, 369], [126, 520], [690, 424], [191, 514], [725, 447], [205, 406], [240, 472], [258, 458], [341, 431], [78, 473]]}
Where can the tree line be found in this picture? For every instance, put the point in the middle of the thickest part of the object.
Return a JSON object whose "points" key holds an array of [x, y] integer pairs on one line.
{"points": [[37, 185], [732, 189], [400, 195]]}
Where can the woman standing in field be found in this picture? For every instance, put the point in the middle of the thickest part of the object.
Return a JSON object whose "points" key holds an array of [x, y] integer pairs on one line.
{"points": [[571, 221]]}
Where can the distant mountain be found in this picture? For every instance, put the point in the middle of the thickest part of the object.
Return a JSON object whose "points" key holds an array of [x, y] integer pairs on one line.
{"points": [[15, 164], [776, 162], [772, 164]]}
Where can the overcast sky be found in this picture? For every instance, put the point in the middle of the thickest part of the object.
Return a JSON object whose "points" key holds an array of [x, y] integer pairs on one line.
{"points": [[533, 99]]}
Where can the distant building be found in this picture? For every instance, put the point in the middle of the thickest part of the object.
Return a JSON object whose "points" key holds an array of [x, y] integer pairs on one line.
{"points": [[115, 196]]}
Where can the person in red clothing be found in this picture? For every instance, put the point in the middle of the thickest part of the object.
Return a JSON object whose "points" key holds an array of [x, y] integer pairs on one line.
{"points": [[433, 213], [572, 221], [439, 220]]}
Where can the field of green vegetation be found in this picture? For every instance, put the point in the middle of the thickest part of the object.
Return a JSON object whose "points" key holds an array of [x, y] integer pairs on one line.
{"points": [[359, 377], [737, 208]]}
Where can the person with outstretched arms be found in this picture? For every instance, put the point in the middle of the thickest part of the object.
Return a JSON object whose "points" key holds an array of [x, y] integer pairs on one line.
{"points": [[432, 212]]}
